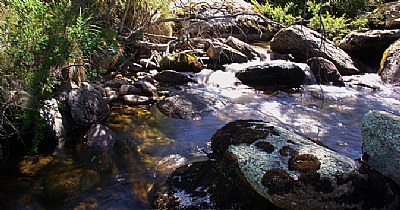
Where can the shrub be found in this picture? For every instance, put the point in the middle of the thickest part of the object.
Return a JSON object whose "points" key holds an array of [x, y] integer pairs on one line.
{"points": [[334, 25]]}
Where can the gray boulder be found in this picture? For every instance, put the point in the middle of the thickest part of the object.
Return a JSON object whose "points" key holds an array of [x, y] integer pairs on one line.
{"points": [[87, 105], [296, 173], [325, 71], [223, 54], [183, 106], [390, 65], [381, 143], [274, 73], [369, 46], [304, 43], [248, 50], [100, 138]]}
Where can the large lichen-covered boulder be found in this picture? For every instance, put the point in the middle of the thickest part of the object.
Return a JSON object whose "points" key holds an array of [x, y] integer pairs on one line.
{"points": [[381, 143], [274, 73], [296, 173], [87, 105], [304, 43], [368, 46], [390, 64]]}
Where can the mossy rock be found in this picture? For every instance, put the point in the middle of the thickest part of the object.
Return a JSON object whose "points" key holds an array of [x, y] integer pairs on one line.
{"points": [[181, 62], [390, 67]]}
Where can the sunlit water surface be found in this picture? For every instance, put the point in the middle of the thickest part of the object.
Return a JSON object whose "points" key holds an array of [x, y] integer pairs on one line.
{"points": [[153, 145]]}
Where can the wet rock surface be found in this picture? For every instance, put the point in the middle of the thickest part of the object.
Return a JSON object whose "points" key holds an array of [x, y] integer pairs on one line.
{"points": [[100, 138], [183, 106], [381, 143], [207, 185], [171, 76], [390, 65], [304, 43], [275, 73], [325, 71]]}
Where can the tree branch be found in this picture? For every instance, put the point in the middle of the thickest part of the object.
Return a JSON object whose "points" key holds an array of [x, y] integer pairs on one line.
{"points": [[200, 17]]}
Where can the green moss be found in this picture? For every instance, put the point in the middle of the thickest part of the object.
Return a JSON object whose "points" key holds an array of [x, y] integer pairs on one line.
{"points": [[383, 60], [181, 62]]}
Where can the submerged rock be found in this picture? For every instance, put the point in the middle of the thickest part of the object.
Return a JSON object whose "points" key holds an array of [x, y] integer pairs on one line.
{"points": [[100, 138], [275, 73], [87, 105], [183, 106], [304, 43], [381, 143], [390, 65], [296, 173]]}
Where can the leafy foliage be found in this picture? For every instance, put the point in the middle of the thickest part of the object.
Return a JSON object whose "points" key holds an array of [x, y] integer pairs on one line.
{"points": [[333, 17], [37, 39]]}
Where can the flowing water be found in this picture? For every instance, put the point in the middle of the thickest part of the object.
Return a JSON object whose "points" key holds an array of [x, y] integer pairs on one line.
{"points": [[152, 145]]}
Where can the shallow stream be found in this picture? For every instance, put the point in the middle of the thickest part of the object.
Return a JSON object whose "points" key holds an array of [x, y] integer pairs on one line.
{"points": [[153, 144]]}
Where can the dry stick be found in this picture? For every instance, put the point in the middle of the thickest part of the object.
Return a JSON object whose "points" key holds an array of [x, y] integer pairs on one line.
{"points": [[121, 27]]}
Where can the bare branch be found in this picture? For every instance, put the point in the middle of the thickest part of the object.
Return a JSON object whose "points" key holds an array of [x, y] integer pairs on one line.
{"points": [[200, 17]]}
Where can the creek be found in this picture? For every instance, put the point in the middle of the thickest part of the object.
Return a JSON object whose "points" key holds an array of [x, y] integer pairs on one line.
{"points": [[153, 145]]}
